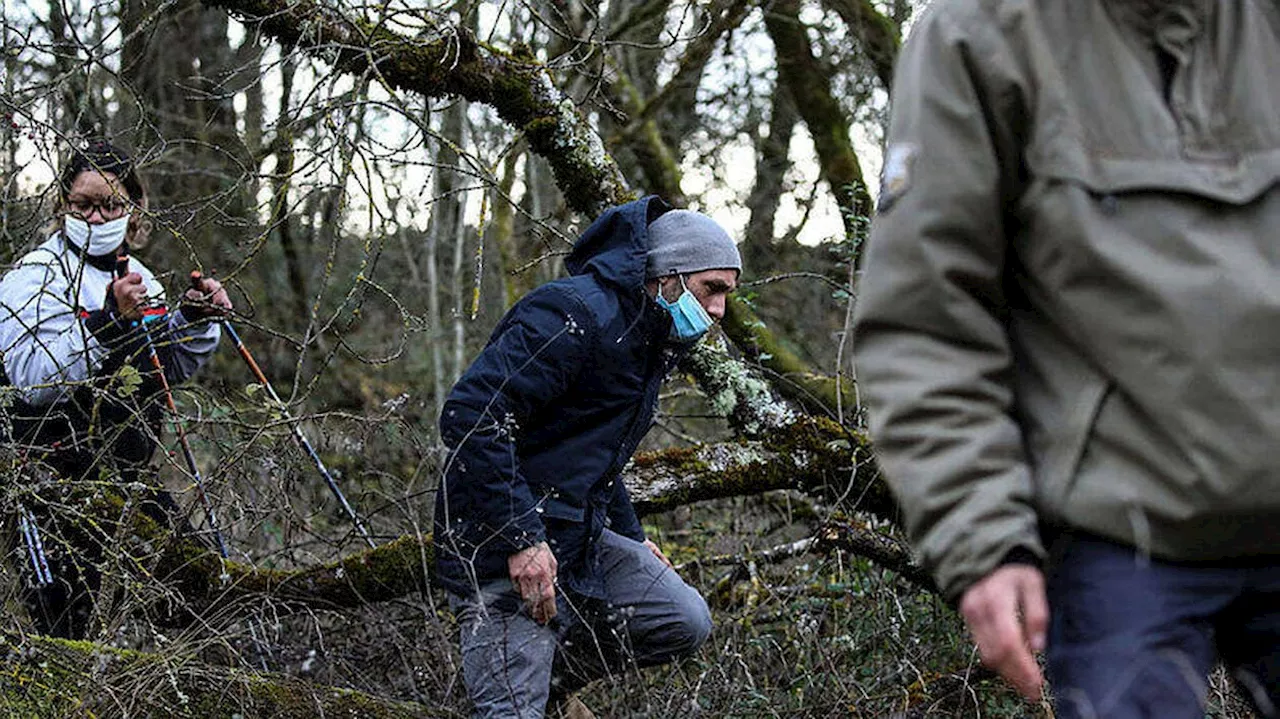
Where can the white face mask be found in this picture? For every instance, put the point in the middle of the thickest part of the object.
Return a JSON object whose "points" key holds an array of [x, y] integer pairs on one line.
{"points": [[97, 240]]}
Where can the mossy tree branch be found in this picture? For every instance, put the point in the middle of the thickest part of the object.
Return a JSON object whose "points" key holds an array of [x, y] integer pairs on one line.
{"points": [[793, 378], [453, 63], [810, 84], [853, 536], [43, 677], [810, 454], [735, 392]]}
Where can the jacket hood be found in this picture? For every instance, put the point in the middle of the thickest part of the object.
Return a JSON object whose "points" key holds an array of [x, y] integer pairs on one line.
{"points": [[615, 247]]}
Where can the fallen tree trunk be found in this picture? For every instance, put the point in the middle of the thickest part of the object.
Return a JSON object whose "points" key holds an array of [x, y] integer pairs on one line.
{"points": [[42, 677], [811, 454]]}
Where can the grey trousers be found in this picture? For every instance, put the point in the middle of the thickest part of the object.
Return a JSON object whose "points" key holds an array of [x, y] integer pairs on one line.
{"points": [[511, 664]]}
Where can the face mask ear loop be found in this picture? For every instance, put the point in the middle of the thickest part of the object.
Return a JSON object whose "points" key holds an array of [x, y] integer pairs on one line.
{"points": [[685, 287]]}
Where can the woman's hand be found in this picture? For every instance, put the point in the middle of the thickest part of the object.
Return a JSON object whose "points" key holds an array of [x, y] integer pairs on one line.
{"points": [[129, 295], [206, 298]]}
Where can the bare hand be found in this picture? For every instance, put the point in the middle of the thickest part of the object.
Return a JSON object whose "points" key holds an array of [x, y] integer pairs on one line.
{"points": [[533, 572], [657, 552], [207, 297], [130, 295], [1008, 614]]}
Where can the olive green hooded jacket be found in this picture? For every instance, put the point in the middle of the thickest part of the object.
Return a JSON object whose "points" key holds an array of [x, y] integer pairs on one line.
{"points": [[1069, 311]]}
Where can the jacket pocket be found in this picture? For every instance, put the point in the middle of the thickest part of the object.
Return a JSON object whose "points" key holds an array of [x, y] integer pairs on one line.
{"points": [[567, 533], [1062, 461], [1223, 174], [1060, 394]]}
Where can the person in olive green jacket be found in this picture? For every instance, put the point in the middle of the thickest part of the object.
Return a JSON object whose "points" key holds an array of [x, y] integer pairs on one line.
{"points": [[1068, 339]]}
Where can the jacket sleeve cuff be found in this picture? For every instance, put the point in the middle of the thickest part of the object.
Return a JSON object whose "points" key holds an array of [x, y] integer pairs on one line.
{"points": [[968, 562], [1022, 555], [520, 538], [106, 327]]}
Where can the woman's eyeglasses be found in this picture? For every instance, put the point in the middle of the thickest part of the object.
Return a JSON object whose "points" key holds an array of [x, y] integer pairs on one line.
{"points": [[109, 208]]}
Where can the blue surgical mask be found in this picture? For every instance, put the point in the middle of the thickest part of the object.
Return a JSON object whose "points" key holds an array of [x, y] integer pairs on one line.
{"points": [[689, 320]]}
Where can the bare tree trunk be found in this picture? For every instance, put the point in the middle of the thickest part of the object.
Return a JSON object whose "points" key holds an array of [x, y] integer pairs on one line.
{"points": [[675, 105], [810, 84], [179, 64], [878, 34], [249, 67], [434, 320], [73, 93], [281, 203], [456, 119], [8, 142], [502, 229], [772, 162]]}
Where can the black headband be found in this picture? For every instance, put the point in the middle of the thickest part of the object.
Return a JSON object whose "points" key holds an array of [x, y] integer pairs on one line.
{"points": [[102, 156]]}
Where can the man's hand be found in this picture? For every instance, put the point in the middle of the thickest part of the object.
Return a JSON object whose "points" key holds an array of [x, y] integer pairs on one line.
{"points": [[533, 572], [129, 294], [205, 298], [1008, 614], [657, 552]]}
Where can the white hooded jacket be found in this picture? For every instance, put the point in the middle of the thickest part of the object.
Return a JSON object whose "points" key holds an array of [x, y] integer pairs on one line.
{"points": [[46, 345]]}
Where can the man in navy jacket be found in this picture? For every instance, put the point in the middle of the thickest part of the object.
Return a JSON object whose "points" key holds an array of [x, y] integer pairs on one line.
{"points": [[537, 543]]}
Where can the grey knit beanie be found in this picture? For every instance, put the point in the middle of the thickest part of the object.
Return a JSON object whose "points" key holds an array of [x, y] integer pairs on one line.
{"points": [[683, 241]]}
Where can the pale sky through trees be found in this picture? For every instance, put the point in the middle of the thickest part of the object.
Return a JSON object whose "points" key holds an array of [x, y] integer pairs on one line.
{"points": [[719, 184]]}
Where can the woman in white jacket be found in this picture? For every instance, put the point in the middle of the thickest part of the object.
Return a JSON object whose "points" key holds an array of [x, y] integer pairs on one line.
{"points": [[69, 332]]}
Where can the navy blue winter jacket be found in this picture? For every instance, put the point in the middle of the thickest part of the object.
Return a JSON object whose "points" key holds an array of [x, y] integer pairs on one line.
{"points": [[543, 421]]}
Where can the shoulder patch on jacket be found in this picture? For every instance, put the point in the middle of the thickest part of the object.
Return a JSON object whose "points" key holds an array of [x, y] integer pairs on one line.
{"points": [[895, 176]]}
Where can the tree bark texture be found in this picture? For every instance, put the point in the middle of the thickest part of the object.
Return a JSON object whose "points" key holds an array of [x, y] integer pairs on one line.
{"points": [[810, 84]]}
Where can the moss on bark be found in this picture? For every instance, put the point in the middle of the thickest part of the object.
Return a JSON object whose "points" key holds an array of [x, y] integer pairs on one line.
{"points": [[794, 379], [812, 454], [54, 678]]}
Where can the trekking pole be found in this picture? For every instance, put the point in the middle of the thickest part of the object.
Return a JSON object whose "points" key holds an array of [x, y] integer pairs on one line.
{"points": [[122, 269], [301, 438], [31, 541], [35, 547]]}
